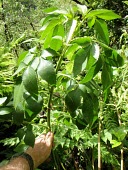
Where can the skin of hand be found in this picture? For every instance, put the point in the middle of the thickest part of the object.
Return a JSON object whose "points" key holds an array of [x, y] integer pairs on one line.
{"points": [[42, 148]]}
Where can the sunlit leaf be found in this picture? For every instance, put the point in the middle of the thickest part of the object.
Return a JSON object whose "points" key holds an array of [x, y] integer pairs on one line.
{"points": [[56, 43], [93, 71], [95, 51], [2, 100], [29, 57], [35, 63], [59, 31], [5, 111], [126, 2], [49, 26], [82, 8], [20, 68], [22, 56], [47, 40], [79, 61], [18, 94], [113, 58], [51, 9], [71, 50], [54, 10], [115, 143], [71, 31], [103, 14], [102, 31], [83, 41], [91, 21]]}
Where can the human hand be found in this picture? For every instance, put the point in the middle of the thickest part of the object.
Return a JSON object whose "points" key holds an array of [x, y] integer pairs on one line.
{"points": [[42, 148]]}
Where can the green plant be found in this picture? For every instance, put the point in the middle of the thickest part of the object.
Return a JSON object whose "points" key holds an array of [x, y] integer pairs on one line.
{"points": [[65, 74]]}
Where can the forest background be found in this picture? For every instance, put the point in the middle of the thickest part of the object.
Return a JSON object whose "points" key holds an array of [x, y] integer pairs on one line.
{"points": [[63, 67]]}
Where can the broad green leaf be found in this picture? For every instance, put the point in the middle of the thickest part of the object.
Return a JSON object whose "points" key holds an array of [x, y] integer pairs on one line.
{"points": [[2, 100], [69, 67], [54, 10], [20, 68], [46, 30], [93, 71], [71, 31], [126, 2], [71, 84], [83, 89], [120, 132], [5, 111], [56, 43], [83, 41], [73, 100], [106, 76], [21, 147], [34, 105], [18, 117], [59, 30], [20, 133], [18, 95], [90, 108], [47, 40], [29, 57], [51, 9], [35, 63], [80, 122], [115, 143], [82, 8], [22, 56], [103, 14], [29, 138], [79, 61], [95, 51], [29, 79], [91, 60], [102, 31], [87, 108], [57, 39], [48, 53], [91, 21], [46, 71], [44, 21], [71, 50], [85, 57], [113, 58], [107, 136]]}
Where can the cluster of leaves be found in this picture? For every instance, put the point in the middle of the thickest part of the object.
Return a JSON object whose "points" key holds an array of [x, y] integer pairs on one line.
{"points": [[64, 78]]}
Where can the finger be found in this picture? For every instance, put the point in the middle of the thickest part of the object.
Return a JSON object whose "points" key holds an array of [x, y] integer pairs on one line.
{"points": [[49, 138], [41, 138], [42, 135]]}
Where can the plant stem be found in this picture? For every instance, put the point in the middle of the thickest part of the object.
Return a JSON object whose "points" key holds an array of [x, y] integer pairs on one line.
{"points": [[99, 145], [54, 157], [121, 151], [99, 135], [93, 159], [122, 157], [49, 108]]}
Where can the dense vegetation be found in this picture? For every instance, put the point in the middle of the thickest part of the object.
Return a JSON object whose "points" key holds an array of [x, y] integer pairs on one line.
{"points": [[63, 67]]}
